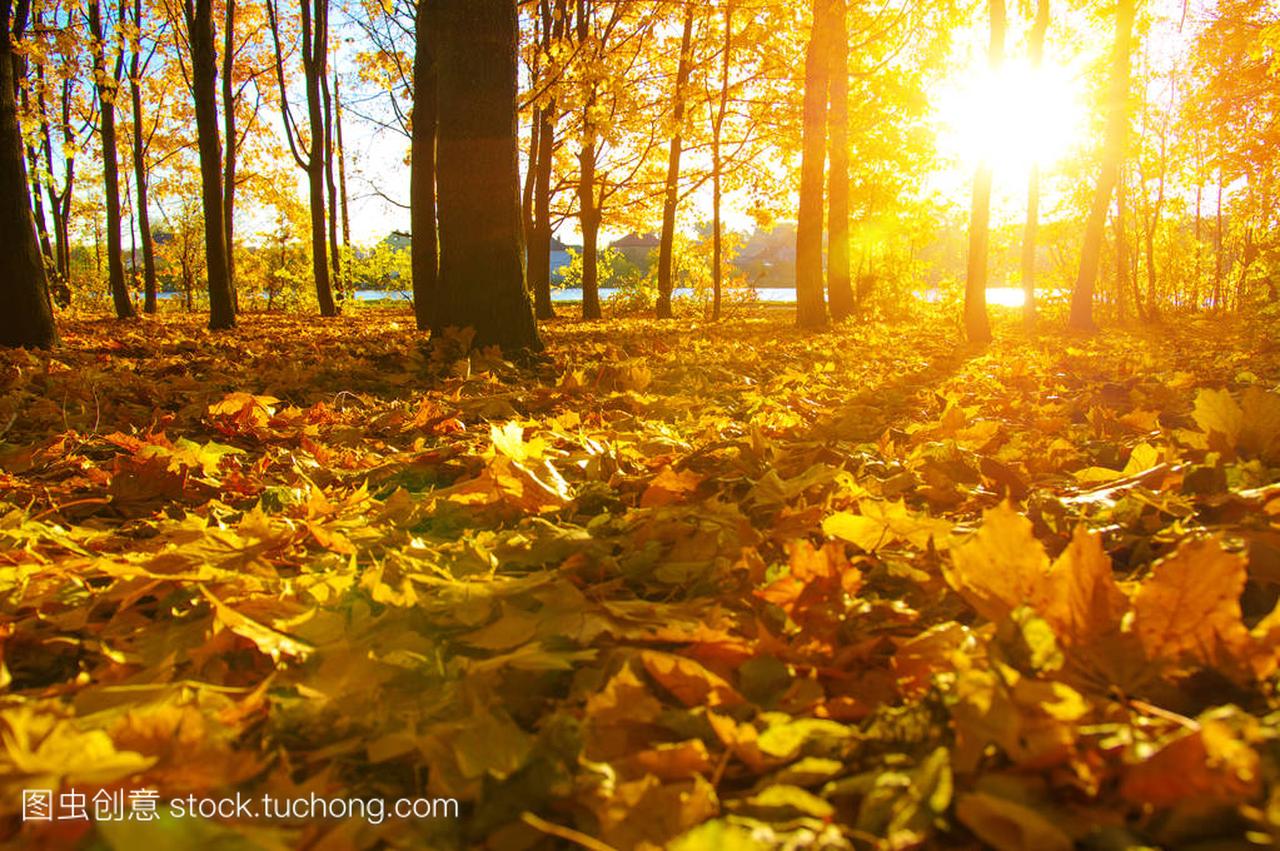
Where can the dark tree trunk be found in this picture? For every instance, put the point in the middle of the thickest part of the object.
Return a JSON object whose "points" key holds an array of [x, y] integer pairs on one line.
{"points": [[839, 280], [1030, 231], [811, 307], [666, 245], [1081, 317], [315, 52], [27, 317], [540, 235], [482, 277], [977, 324], [140, 176], [204, 85], [717, 164], [37, 205], [341, 154], [59, 202], [422, 176], [589, 218], [232, 146], [108, 84], [339, 282]]}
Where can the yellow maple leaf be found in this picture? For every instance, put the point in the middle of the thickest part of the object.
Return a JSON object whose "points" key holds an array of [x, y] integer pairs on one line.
{"points": [[1189, 608]]}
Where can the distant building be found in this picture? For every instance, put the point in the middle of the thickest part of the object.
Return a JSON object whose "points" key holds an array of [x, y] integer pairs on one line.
{"points": [[637, 249], [560, 258]]}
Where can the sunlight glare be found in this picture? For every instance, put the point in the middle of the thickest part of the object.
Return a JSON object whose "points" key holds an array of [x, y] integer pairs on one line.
{"points": [[1006, 296], [1013, 118]]}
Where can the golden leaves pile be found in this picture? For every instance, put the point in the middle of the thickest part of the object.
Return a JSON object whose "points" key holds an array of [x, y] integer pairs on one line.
{"points": [[720, 586]]}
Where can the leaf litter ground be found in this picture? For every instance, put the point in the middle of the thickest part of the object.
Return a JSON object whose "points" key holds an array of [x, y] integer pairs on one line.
{"points": [[693, 586]]}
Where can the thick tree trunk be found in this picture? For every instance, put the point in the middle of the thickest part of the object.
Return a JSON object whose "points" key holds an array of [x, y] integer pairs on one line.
{"points": [[1081, 317], [199, 14], [839, 279], [422, 174], [27, 317], [811, 307], [232, 143], [108, 86], [315, 52], [482, 274], [977, 324], [666, 245], [140, 176], [1030, 231]]}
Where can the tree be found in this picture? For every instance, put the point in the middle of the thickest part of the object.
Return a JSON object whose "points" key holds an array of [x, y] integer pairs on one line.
{"points": [[311, 153], [977, 324], [671, 196], [1081, 316], [199, 17], [108, 87], [422, 176], [553, 18], [811, 307], [482, 278], [27, 316], [717, 165], [1038, 31], [141, 178], [839, 276]]}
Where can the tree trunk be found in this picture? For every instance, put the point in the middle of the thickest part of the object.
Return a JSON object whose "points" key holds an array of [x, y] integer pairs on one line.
{"points": [[1030, 231], [540, 244], [717, 233], [811, 308], [27, 319], [839, 277], [1081, 317], [1122, 256], [108, 85], [232, 147], [315, 52], [482, 275], [1218, 245], [540, 232], [140, 177], [666, 245], [341, 154], [422, 173], [199, 15], [1199, 226], [339, 283], [589, 217], [977, 324]]}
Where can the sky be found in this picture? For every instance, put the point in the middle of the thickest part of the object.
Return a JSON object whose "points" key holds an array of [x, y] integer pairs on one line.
{"points": [[1014, 119]]}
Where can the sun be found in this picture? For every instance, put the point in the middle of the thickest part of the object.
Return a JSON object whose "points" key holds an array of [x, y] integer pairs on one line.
{"points": [[1013, 117]]}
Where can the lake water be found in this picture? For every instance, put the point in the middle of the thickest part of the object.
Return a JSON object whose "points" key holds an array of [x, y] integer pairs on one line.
{"points": [[774, 294], [996, 296]]}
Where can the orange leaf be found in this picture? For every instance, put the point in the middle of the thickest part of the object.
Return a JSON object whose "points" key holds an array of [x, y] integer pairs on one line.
{"points": [[670, 487], [1190, 606]]}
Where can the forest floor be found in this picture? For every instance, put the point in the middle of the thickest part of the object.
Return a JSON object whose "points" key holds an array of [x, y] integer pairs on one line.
{"points": [[681, 584]]}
